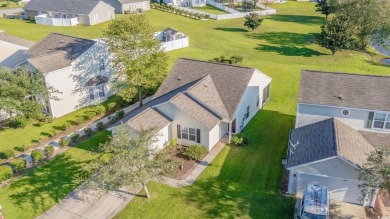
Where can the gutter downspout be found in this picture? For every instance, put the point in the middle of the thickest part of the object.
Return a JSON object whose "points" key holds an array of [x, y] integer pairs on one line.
{"points": [[230, 131]]}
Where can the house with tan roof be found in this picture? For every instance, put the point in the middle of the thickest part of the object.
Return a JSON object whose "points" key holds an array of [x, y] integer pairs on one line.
{"points": [[201, 102], [12, 50], [341, 119], [79, 69]]}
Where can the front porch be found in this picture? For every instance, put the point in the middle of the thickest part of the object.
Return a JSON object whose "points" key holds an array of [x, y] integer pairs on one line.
{"points": [[46, 19]]}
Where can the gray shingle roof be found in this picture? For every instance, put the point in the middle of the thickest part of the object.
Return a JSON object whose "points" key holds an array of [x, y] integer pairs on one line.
{"points": [[194, 110], [130, 1], [96, 81], [357, 91], [66, 6], [326, 139], [57, 51], [15, 40], [149, 118], [230, 81], [377, 139], [170, 31]]}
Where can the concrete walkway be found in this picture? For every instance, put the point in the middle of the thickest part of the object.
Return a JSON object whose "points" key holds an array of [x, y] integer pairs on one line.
{"points": [[10, 11], [190, 179]]}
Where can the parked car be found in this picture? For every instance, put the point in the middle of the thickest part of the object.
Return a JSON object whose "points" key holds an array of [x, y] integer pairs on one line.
{"points": [[314, 203]]}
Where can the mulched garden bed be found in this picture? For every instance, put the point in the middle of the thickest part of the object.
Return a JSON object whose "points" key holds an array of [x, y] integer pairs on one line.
{"points": [[184, 164]]}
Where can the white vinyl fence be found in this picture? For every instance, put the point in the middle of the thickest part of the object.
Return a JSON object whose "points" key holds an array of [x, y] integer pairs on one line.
{"points": [[222, 7], [67, 22]]}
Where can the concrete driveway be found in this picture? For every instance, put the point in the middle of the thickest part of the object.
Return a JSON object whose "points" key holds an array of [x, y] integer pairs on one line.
{"points": [[10, 11], [342, 210]]}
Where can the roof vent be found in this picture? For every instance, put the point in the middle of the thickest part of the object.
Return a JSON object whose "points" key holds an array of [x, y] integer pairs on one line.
{"points": [[340, 96], [205, 84], [62, 41], [179, 78]]}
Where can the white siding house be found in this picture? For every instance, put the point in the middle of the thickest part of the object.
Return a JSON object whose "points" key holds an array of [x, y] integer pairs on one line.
{"points": [[197, 101]]}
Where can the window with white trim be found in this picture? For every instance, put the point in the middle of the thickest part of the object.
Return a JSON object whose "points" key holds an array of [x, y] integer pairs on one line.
{"points": [[381, 121], [101, 91], [102, 66], [190, 134], [184, 133], [247, 112]]}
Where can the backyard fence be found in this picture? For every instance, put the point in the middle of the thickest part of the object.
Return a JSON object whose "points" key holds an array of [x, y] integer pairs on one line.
{"points": [[222, 7], [67, 22]]}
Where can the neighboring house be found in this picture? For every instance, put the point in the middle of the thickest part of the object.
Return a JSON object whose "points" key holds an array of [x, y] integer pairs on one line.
{"points": [[69, 12], [78, 68], [172, 39], [361, 101], [186, 3], [200, 102], [123, 6], [341, 119], [12, 50]]}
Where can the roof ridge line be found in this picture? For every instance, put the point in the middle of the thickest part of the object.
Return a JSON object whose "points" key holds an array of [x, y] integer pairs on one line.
{"points": [[341, 73], [217, 63]]}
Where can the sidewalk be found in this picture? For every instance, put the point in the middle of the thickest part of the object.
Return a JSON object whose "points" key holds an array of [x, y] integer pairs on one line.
{"points": [[190, 179]]}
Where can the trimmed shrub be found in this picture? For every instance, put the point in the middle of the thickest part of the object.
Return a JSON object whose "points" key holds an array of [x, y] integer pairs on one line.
{"points": [[195, 152], [100, 126], [64, 142], [40, 123], [53, 132], [37, 156], [21, 148], [20, 122], [239, 140], [49, 150], [5, 172], [19, 164], [89, 115], [99, 110], [66, 126], [48, 119], [79, 120], [88, 131], [74, 137], [8, 153], [238, 58], [111, 106], [207, 16], [120, 114]]}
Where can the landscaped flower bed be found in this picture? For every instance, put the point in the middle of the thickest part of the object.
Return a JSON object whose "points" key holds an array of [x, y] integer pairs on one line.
{"points": [[171, 9]]}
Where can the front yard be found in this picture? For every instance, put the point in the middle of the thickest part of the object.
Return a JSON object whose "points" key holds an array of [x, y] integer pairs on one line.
{"points": [[242, 182]]}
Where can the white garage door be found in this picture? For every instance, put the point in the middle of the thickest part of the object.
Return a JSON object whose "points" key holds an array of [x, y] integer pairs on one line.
{"points": [[339, 189]]}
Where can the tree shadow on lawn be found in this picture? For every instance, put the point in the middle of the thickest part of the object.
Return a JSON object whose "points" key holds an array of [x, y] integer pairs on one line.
{"points": [[284, 38], [249, 180], [47, 184], [290, 50], [233, 29], [302, 19]]}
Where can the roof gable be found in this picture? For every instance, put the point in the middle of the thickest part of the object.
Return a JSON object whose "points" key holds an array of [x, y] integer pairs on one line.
{"points": [[230, 81], [66, 6], [15, 40], [149, 119], [345, 90]]}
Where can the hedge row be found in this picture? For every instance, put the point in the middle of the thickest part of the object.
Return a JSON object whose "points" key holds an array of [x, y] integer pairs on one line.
{"points": [[169, 8]]}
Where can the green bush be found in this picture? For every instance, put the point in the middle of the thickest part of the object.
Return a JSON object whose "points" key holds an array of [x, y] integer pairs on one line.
{"points": [[88, 131], [37, 156], [66, 126], [119, 114], [79, 120], [207, 16], [64, 142], [100, 126], [238, 58], [21, 148], [239, 140], [19, 164], [20, 122], [5, 172], [8, 153], [99, 110], [74, 137], [111, 106], [40, 123], [195, 152], [89, 115], [49, 150], [48, 119]]}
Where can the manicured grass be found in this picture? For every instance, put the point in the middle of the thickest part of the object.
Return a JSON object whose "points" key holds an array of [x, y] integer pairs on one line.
{"points": [[10, 5], [41, 188], [241, 182], [11, 138], [210, 9]]}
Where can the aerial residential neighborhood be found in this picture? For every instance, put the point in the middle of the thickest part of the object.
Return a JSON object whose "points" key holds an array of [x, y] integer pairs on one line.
{"points": [[194, 109]]}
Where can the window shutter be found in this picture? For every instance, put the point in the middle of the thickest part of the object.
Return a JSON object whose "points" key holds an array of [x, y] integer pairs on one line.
{"points": [[178, 132], [369, 120], [198, 136]]}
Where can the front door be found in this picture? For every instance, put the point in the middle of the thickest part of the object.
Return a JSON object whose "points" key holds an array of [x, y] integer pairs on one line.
{"points": [[234, 126]]}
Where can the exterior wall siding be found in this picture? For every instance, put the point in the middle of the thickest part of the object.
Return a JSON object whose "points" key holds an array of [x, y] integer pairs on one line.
{"points": [[115, 4], [334, 167], [144, 5], [253, 92], [163, 137], [357, 118], [180, 118], [214, 136], [101, 13]]}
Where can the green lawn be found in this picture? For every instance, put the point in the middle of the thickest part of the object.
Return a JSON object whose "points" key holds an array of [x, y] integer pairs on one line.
{"points": [[11, 138], [10, 5], [241, 182], [41, 188], [210, 9]]}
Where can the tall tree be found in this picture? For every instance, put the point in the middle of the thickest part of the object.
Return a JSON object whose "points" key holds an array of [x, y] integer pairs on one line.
{"points": [[369, 19], [139, 61], [135, 161], [253, 21], [326, 7], [376, 172], [18, 89], [336, 34]]}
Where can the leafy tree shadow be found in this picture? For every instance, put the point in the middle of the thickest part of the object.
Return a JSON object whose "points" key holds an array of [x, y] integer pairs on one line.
{"points": [[284, 38], [290, 50], [302, 19], [233, 29]]}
